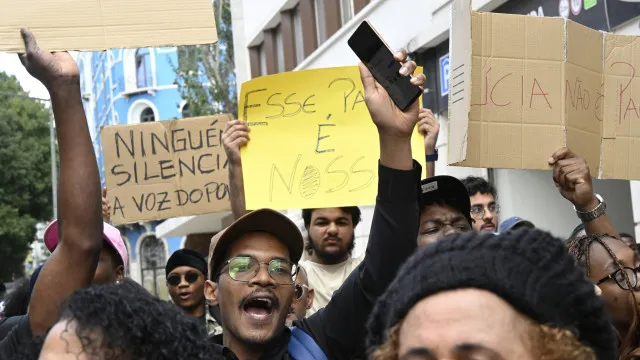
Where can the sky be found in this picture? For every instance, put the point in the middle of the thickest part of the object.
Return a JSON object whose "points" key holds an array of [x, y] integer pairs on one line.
{"points": [[10, 64]]}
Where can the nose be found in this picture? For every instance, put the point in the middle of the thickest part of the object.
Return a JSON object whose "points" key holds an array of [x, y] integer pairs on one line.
{"points": [[488, 215], [262, 277], [450, 230], [333, 229], [183, 282]]}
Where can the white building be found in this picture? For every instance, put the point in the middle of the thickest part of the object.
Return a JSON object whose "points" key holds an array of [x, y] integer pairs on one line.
{"points": [[283, 35]]}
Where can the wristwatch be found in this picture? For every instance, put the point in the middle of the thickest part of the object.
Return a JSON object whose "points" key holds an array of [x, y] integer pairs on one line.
{"points": [[599, 210], [433, 156]]}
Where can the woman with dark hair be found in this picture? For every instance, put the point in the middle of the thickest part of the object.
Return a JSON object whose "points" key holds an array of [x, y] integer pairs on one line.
{"points": [[17, 301], [124, 322], [613, 267]]}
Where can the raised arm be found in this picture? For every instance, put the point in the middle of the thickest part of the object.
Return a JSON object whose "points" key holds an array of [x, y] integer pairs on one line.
{"points": [[340, 327], [73, 263], [429, 127], [573, 180], [235, 136]]}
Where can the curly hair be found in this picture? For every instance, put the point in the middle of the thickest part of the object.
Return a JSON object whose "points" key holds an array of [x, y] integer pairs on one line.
{"points": [[579, 248], [477, 185], [17, 301], [548, 343], [126, 322]]}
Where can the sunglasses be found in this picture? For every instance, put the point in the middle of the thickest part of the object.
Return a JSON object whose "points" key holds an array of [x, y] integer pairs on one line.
{"points": [[190, 277], [300, 290]]}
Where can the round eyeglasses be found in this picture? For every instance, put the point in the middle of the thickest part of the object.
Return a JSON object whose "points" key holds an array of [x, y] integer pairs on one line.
{"points": [[190, 277], [300, 290], [619, 277], [478, 211], [245, 268]]}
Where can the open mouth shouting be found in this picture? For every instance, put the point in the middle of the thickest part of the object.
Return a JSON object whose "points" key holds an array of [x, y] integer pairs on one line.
{"points": [[260, 307]]}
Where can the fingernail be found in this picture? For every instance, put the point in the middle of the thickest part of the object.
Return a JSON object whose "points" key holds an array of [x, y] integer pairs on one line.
{"points": [[399, 54], [404, 71], [550, 160]]}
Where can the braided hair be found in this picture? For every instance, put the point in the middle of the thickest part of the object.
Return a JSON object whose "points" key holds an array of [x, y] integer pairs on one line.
{"points": [[579, 248]]}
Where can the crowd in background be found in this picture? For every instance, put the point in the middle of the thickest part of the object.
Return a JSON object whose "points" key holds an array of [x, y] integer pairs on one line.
{"points": [[441, 277]]}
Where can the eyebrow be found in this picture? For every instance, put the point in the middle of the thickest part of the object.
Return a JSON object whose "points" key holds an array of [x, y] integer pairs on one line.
{"points": [[419, 351], [254, 257], [472, 347], [456, 219], [322, 218]]}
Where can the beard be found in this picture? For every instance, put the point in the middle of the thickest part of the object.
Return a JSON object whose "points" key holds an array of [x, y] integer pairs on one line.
{"points": [[330, 257]]}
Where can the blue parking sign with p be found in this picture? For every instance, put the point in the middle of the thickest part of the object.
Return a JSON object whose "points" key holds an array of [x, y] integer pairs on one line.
{"points": [[444, 75]]}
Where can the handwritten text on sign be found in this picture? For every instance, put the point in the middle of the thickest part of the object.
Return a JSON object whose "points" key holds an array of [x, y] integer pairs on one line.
{"points": [[166, 169], [313, 143]]}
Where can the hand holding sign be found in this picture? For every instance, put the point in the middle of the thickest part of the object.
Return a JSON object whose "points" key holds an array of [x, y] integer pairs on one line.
{"points": [[389, 119], [429, 127], [52, 69], [235, 136]]}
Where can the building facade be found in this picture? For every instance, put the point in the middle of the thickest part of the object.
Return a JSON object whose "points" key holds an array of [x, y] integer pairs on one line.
{"points": [[131, 86], [285, 35]]}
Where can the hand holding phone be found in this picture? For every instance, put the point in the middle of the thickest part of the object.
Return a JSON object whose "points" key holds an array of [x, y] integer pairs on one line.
{"points": [[377, 57]]}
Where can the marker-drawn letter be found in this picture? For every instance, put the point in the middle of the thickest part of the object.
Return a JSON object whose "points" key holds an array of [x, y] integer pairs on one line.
{"points": [[318, 150], [288, 184]]}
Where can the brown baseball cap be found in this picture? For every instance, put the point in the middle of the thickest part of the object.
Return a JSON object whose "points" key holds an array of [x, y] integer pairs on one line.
{"points": [[265, 220]]}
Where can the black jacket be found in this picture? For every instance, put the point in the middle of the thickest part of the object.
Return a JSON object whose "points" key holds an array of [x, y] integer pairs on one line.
{"points": [[340, 328]]}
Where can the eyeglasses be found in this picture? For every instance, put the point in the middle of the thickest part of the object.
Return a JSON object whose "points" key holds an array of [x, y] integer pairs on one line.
{"points": [[478, 211], [619, 277], [300, 290], [190, 277], [245, 268]]}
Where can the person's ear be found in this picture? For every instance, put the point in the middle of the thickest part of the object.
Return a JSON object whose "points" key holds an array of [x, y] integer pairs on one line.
{"points": [[310, 296], [211, 293], [120, 273]]}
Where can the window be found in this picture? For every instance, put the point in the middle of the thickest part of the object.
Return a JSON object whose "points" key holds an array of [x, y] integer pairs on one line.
{"points": [[279, 48], [186, 111], [321, 21], [346, 10], [297, 35], [153, 259], [143, 68], [147, 115], [263, 61]]}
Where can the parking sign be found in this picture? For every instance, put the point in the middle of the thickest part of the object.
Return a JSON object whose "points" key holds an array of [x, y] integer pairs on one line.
{"points": [[444, 75]]}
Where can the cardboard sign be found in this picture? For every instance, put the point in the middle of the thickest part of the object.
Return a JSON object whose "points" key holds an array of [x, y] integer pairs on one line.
{"points": [[165, 169], [98, 25], [523, 86], [313, 143]]}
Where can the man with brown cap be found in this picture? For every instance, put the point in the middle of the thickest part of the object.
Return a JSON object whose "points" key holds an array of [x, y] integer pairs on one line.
{"points": [[253, 263]]}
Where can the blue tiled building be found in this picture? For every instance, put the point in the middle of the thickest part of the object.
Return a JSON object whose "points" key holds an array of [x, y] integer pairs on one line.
{"points": [[130, 86]]}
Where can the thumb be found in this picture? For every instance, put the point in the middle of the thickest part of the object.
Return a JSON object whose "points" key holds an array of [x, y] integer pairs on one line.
{"points": [[368, 82]]}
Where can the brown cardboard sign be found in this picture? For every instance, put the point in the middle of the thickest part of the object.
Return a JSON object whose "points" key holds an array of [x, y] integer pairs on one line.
{"points": [[98, 25], [527, 86], [165, 169]]}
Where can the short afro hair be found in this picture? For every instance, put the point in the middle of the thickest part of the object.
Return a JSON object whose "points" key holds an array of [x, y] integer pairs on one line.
{"points": [[479, 185], [354, 211], [131, 323]]}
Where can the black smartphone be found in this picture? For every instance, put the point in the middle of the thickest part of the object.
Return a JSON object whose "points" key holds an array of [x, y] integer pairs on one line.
{"points": [[377, 57]]}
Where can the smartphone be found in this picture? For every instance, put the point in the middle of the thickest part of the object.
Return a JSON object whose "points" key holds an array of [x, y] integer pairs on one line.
{"points": [[377, 57]]}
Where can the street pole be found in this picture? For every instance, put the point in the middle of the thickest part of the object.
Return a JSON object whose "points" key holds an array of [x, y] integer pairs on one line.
{"points": [[54, 167]]}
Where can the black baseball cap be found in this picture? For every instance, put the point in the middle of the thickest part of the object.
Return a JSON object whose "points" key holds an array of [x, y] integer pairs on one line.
{"points": [[448, 190]]}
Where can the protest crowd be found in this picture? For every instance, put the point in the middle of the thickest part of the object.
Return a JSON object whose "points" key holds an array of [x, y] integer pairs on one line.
{"points": [[441, 276]]}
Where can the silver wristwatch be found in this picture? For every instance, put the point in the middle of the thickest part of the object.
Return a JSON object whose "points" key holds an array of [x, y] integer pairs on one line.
{"points": [[599, 210]]}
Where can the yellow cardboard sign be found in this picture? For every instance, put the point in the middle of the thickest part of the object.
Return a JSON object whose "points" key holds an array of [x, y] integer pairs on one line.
{"points": [[313, 143]]}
